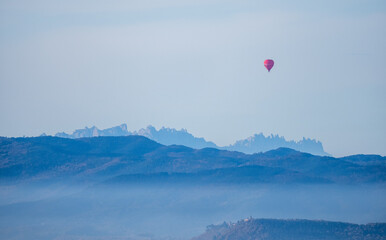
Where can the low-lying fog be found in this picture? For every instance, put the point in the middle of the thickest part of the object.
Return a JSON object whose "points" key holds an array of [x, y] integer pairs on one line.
{"points": [[174, 212]]}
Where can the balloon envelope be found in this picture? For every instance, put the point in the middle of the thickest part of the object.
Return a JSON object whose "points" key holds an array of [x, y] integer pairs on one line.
{"points": [[268, 64]]}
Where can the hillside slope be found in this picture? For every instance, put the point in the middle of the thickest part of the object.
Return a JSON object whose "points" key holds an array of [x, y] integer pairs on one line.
{"points": [[273, 229], [100, 158]]}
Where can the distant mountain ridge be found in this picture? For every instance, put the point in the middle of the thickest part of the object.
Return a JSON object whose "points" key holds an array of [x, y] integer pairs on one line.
{"points": [[165, 136], [169, 136], [120, 130], [263, 143]]}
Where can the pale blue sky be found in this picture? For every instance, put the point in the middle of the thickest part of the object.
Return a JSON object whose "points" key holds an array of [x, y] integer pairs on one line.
{"points": [[198, 65]]}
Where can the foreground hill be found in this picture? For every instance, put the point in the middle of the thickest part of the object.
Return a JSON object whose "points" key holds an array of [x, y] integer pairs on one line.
{"points": [[101, 158], [273, 229]]}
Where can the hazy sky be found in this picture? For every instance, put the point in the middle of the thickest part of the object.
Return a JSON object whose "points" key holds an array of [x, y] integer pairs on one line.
{"points": [[198, 64]]}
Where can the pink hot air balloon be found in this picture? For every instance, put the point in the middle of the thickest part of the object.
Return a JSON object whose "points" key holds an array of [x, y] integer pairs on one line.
{"points": [[268, 64]]}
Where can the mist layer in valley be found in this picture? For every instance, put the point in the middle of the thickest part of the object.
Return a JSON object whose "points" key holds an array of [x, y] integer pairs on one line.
{"points": [[179, 211]]}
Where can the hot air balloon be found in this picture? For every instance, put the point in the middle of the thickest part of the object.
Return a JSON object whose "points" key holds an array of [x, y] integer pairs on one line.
{"points": [[268, 64]]}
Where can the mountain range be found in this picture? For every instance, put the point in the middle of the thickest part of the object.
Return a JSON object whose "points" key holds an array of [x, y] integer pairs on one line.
{"points": [[139, 159], [168, 136]]}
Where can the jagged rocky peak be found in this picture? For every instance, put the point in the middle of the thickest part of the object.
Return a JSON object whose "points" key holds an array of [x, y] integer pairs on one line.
{"points": [[147, 132], [170, 136], [123, 126], [260, 143], [120, 130]]}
